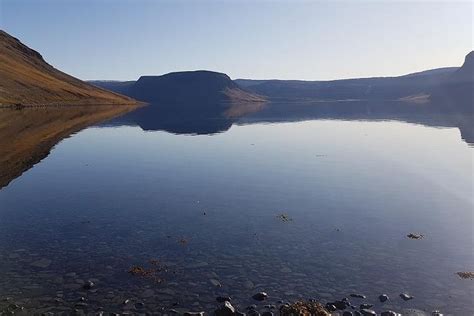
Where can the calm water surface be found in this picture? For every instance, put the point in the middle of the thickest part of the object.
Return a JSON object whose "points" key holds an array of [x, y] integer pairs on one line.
{"points": [[206, 207]]}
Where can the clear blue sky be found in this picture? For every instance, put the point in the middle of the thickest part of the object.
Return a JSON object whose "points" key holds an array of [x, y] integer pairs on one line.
{"points": [[312, 40]]}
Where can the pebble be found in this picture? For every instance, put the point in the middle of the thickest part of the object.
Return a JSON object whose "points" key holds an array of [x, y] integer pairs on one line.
{"points": [[389, 313], [347, 313], [368, 312], [193, 314], [358, 295], [366, 306], [260, 296], [88, 285], [225, 310], [406, 297], [330, 307], [215, 282], [383, 298]]}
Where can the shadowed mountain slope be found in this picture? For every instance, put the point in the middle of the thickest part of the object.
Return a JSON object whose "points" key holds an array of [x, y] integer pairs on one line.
{"points": [[27, 79], [381, 88], [457, 90]]}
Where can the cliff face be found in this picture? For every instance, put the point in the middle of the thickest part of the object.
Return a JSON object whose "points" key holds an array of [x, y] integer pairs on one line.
{"points": [[457, 91], [27, 79]]}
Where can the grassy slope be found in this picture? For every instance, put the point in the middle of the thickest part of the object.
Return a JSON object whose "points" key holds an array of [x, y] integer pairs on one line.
{"points": [[27, 79]]}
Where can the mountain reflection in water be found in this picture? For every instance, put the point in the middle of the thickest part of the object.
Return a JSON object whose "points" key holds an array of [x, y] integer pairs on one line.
{"points": [[27, 135], [156, 118]]}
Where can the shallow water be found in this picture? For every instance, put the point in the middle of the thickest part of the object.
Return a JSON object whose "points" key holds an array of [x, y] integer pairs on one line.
{"points": [[206, 206]]}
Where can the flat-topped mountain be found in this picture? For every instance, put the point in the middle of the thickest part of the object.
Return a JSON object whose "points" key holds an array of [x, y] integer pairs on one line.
{"points": [[193, 87], [187, 87], [27, 79]]}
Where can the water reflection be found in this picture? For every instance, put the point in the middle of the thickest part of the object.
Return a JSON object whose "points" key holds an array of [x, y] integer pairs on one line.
{"points": [[27, 135], [158, 118]]}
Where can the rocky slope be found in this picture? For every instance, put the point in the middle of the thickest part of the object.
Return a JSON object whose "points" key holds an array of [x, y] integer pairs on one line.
{"points": [[27, 79]]}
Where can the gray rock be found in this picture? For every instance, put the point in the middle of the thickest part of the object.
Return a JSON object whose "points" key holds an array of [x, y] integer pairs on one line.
{"points": [[383, 298], [406, 297], [225, 310], [389, 313], [260, 296], [88, 285], [368, 312]]}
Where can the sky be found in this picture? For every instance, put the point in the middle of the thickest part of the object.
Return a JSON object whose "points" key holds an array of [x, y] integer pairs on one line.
{"points": [[307, 40]]}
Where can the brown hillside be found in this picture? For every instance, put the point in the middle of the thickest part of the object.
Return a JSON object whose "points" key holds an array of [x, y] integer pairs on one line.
{"points": [[25, 78]]}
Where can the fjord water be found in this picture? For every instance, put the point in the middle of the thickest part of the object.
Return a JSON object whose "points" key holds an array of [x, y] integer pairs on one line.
{"points": [[206, 206]]}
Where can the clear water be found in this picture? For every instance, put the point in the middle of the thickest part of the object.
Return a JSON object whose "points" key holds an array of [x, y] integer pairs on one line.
{"points": [[206, 206]]}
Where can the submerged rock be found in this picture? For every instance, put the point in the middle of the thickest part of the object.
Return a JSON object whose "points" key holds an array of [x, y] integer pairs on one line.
{"points": [[358, 295], [406, 297], [368, 312], [383, 298], [260, 296], [88, 285], [365, 306], [415, 236]]}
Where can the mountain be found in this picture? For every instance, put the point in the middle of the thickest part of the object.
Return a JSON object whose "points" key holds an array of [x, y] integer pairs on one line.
{"points": [[27, 79], [457, 90], [377, 88], [188, 89]]}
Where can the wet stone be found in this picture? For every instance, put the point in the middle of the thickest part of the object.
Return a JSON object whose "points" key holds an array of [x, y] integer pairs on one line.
{"points": [[347, 313], [330, 307], [383, 298], [260, 296], [225, 310], [366, 306], [358, 295], [389, 313], [406, 297], [88, 285], [368, 312]]}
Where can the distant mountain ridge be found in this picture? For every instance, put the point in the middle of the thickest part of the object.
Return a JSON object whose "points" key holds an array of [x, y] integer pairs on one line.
{"points": [[376, 88], [27, 79]]}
